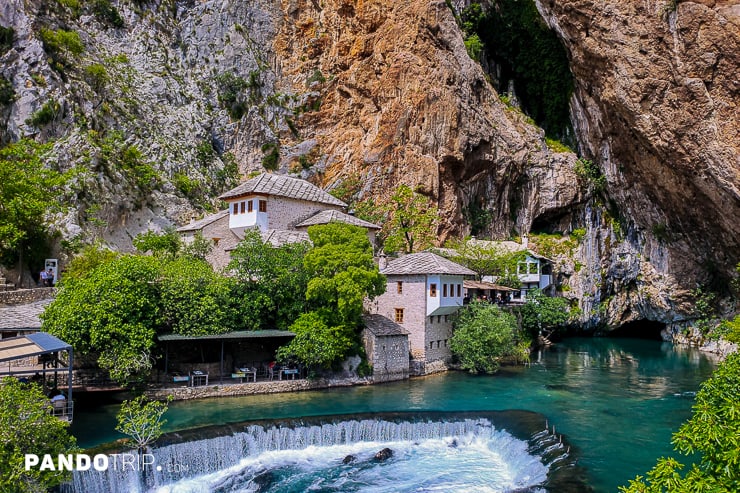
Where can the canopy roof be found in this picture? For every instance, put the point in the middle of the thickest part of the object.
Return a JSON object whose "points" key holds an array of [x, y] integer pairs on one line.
{"points": [[31, 345], [241, 334]]}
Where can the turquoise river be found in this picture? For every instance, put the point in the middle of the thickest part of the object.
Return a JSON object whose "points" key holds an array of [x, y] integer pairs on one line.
{"points": [[617, 402]]}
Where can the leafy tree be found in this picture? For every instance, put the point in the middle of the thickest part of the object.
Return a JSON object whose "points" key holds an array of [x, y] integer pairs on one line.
{"points": [[27, 427], [89, 258], [412, 221], [271, 282], [167, 243], [200, 247], [29, 193], [318, 341], [195, 300], [142, 421], [343, 274], [710, 435], [342, 270], [488, 258], [542, 314], [484, 335], [112, 312]]}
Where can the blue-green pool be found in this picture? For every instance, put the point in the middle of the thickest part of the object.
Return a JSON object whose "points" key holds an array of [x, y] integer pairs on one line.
{"points": [[617, 400]]}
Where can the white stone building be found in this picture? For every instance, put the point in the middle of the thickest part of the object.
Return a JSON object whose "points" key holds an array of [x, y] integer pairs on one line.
{"points": [[423, 294], [281, 207]]}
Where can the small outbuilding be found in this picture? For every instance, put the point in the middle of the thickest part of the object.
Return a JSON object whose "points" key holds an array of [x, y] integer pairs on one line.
{"points": [[387, 347]]}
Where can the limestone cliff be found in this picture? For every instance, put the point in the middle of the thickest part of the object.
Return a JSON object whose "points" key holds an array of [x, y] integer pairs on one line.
{"points": [[167, 103], [656, 105]]}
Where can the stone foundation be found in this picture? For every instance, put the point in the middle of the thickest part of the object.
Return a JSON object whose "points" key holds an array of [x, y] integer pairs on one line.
{"points": [[251, 388], [25, 296]]}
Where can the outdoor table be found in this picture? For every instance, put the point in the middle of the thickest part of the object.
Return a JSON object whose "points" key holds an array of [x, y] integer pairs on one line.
{"points": [[198, 377], [247, 373], [288, 371]]}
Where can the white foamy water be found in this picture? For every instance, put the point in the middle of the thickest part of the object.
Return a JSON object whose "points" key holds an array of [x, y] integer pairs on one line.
{"points": [[469, 456]]}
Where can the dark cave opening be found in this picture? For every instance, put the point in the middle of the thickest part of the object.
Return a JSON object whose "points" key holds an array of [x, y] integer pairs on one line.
{"points": [[639, 329]]}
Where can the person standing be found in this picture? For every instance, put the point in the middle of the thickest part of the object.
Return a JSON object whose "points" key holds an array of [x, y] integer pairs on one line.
{"points": [[44, 278], [50, 277]]}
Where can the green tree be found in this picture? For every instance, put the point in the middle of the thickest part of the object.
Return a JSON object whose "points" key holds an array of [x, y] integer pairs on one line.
{"points": [[319, 341], [711, 435], [89, 258], [484, 335], [27, 427], [342, 270], [113, 312], [30, 193], [142, 421], [343, 274], [270, 281], [200, 247], [488, 258], [194, 300], [167, 243], [412, 221], [542, 314]]}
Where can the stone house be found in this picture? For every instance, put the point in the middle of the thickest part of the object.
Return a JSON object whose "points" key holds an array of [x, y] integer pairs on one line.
{"points": [[423, 294], [387, 347], [280, 206]]}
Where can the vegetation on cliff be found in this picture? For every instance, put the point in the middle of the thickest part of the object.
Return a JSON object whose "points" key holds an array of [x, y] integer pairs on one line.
{"points": [[529, 54]]}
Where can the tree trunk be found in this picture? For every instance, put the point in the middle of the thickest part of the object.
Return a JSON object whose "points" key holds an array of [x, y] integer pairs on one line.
{"points": [[20, 266]]}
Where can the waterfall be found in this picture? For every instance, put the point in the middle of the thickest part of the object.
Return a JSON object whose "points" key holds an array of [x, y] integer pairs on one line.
{"points": [[204, 465]]}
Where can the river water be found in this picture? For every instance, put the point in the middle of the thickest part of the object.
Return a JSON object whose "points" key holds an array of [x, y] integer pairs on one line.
{"points": [[616, 401]]}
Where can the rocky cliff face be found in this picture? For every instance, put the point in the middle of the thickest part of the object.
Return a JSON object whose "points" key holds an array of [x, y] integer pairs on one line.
{"points": [[370, 94], [656, 106]]}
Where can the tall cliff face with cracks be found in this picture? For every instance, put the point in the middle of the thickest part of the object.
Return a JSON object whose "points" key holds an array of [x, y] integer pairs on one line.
{"points": [[656, 105], [168, 103]]}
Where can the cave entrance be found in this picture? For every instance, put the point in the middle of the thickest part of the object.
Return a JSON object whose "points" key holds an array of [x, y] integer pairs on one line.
{"points": [[639, 329]]}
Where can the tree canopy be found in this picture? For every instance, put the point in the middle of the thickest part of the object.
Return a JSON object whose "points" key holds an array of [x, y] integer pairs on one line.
{"points": [[343, 274], [141, 420], [484, 335], [412, 221], [488, 258], [542, 314], [271, 281], [711, 436], [27, 427], [30, 192]]}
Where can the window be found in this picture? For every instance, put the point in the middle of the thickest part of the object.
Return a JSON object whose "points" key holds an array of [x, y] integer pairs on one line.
{"points": [[236, 209], [399, 287], [439, 318], [447, 318], [433, 290], [399, 315], [250, 208], [431, 345], [242, 211], [263, 206], [431, 319], [533, 268], [459, 290], [444, 290]]}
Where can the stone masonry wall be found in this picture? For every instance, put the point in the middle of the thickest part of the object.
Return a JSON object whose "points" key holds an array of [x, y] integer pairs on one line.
{"points": [[284, 213], [413, 302], [24, 296]]}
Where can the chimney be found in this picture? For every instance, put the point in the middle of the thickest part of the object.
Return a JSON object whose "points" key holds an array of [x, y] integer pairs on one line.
{"points": [[382, 261]]}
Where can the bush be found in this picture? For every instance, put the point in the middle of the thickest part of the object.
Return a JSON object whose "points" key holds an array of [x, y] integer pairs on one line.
{"points": [[47, 114], [7, 34], [590, 172], [107, 13], [97, 76], [272, 156], [484, 335], [60, 41], [7, 93], [474, 47]]}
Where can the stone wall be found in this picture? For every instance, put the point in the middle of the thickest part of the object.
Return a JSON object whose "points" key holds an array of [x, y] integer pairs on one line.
{"points": [[285, 213], [24, 296], [413, 302], [389, 356], [251, 388]]}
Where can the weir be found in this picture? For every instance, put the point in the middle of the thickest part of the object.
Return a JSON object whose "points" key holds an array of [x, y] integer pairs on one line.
{"points": [[267, 453]]}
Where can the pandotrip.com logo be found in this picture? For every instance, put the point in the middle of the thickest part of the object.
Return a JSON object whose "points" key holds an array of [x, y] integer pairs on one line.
{"points": [[98, 462]]}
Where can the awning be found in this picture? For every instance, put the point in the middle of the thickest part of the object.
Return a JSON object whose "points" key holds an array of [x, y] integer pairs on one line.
{"points": [[241, 334], [486, 285], [31, 345]]}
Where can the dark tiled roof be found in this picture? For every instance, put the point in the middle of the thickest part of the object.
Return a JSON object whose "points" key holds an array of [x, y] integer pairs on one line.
{"points": [[425, 263], [22, 317], [202, 223], [383, 326], [325, 217], [282, 186], [279, 237]]}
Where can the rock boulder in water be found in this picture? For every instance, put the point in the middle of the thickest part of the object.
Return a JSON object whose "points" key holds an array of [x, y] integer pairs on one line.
{"points": [[349, 459], [384, 454]]}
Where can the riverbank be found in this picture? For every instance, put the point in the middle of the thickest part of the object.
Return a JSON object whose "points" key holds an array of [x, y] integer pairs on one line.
{"points": [[253, 388]]}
